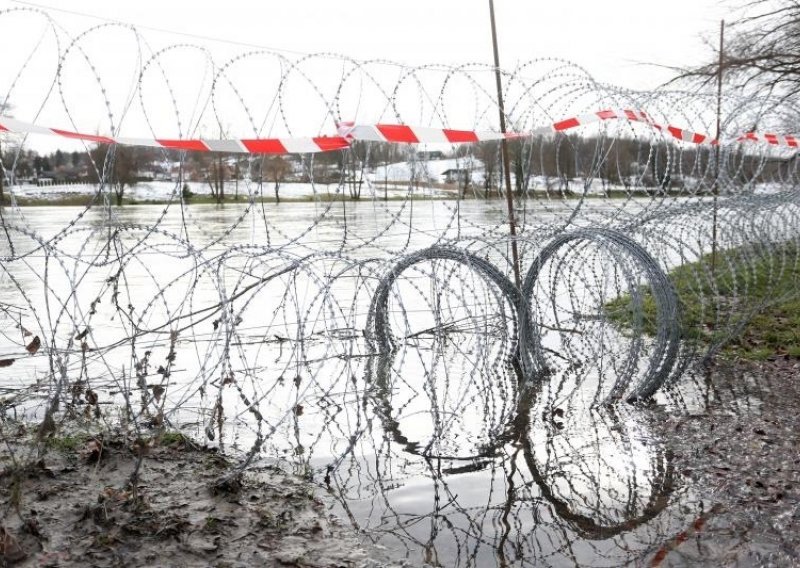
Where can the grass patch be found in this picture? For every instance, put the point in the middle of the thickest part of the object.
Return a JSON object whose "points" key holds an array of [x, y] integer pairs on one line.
{"points": [[64, 444], [65, 200], [172, 439], [752, 306]]}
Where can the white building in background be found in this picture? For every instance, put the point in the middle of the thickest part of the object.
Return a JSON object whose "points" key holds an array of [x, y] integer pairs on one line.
{"points": [[430, 171]]}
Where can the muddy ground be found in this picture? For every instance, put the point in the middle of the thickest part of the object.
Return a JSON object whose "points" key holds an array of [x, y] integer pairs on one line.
{"points": [[75, 507], [739, 453]]}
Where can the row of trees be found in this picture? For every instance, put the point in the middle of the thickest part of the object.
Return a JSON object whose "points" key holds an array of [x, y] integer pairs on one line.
{"points": [[29, 163], [565, 162], [761, 57], [560, 163], [121, 167]]}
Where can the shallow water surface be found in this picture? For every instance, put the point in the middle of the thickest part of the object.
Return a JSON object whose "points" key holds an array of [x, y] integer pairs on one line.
{"points": [[442, 452]]}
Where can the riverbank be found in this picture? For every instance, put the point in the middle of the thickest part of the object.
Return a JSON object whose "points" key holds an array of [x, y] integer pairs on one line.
{"points": [[74, 505], [93, 200], [737, 449], [737, 454], [160, 193], [749, 309]]}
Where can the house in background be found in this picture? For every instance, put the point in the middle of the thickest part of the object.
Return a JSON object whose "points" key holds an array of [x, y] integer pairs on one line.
{"points": [[457, 175]]}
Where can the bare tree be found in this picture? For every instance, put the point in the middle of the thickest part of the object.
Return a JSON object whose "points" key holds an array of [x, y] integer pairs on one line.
{"points": [[276, 169], [762, 51], [5, 110], [353, 165], [519, 151], [566, 161], [490, 155], [216, 178], [118, 170], [126, 165], [2, 179]]}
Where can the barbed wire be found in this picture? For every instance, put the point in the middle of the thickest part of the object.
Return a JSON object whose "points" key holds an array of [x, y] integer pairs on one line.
{"points": [[351, 324]]}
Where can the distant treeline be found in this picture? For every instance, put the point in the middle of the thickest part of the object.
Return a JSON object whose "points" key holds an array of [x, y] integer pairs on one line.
{"points": [[559, 162]]}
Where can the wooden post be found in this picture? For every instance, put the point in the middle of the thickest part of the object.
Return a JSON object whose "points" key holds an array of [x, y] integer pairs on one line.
{"points": [[2, 180], [717, 151], [512, 224]]}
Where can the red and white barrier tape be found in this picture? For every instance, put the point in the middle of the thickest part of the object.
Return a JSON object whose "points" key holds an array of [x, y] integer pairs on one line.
{"points": [[394, 133], [242, 146], [415, 134], [774, 139], [400, 133]]}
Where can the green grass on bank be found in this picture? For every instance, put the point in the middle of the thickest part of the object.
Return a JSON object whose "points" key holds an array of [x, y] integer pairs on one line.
{"points": [[74, 441], [751, 306]]}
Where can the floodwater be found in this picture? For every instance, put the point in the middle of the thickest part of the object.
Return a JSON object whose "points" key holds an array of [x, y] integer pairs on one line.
{"points": [[441, 453]]}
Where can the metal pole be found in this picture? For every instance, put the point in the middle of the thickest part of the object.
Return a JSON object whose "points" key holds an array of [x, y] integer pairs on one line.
{"points": [[512, 224], [2, 175], [717, 150]]}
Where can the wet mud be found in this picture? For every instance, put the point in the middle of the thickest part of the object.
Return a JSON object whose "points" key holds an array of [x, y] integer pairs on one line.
{"points": [[76, 506]]}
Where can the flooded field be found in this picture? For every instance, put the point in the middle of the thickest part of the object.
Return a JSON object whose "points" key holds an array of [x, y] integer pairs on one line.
{"points": [[245, 329]]}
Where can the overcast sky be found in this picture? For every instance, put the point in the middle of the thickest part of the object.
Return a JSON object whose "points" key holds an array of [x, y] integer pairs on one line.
{"points": [[622, 42]]}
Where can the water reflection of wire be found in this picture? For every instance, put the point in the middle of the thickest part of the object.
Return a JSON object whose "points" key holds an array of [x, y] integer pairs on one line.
{"points": [[383, 371], [501, 504], [601, 525]]}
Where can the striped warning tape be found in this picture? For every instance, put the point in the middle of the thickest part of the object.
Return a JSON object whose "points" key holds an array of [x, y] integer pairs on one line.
{"points": [[774, 139], [400, 133], [415, 134], [241, 146], [394, 133]]}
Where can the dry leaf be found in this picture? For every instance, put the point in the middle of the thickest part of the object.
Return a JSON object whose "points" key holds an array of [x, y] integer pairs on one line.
{"points": [[6, 362], [158, 390], [47, 427], [10, 550], [140, 447], [91, 396], [113, 494], [34, 345], [93, 450]]}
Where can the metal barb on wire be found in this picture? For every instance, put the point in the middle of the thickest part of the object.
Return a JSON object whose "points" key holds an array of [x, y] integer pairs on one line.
{"points": [[238, 319]]}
